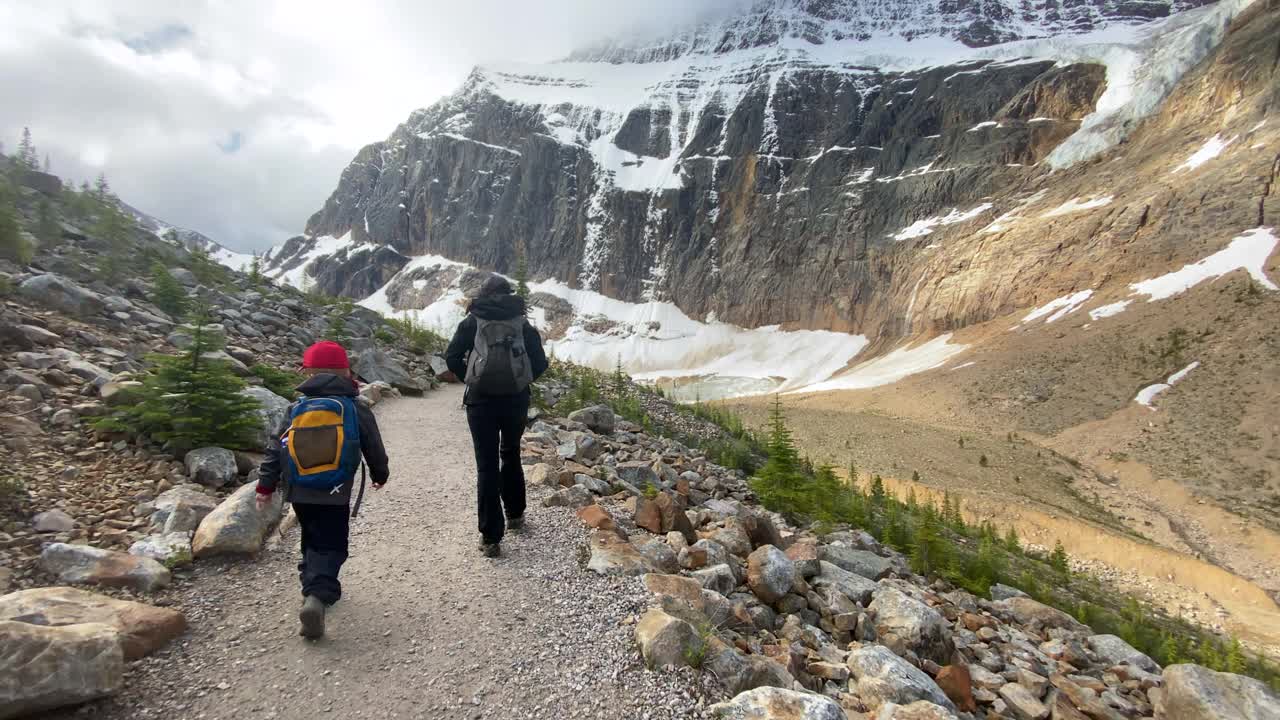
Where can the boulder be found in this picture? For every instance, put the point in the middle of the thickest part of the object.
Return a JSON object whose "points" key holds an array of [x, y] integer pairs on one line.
{"points": [[596, 517], [805, 558], [599, 418], [922, 628], [1038, 616], [376, 365], [236, 526], [1192, 692], [955, 681], [53, 521], [881, 677], [666, 640], [1115, 651], [739, 673], [860, 562], [771, 703], [660, 555], [211, 466], [95, 566], [647, 515], [719, 578], [918, 710], [611, 555], [770, 573], [1022, 703], [171, 549], [571, 497], [88, 372], [142, 629], [58, 293], [272, 411], [1000, 591], [181, 509], [637, 474], [121, 393], [760, 529], [733, 538], [853, 586], [51, 667]]}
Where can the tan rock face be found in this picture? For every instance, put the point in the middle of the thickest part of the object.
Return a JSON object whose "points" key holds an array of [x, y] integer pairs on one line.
{"points": [[50, 667], [666, 640], [142, 629], [610, 555], [956, 683]]}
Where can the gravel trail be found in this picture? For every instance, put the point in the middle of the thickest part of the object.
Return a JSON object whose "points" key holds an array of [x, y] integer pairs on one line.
{"points": [[427, 628]]}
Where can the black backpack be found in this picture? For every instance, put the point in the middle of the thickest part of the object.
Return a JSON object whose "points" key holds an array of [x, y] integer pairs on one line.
{"points": [[499, 364]]}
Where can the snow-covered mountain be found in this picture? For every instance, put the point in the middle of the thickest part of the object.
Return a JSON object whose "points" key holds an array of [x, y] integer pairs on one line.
{"points": [[189, 239], [783, 183]]}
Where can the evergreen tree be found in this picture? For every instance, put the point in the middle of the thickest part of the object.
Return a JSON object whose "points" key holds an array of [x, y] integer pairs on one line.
{"points": [[1170, 650], [928, 551], [47, 165], [913, 505], [915, 476], [1058, 560], [1011, 541], [522, 274], [780, 483], [101, 190], [255, 271], [337, 328], [1207, 654], [986, 568], [167, 293], [27, 154], [48, 230], [1235, 661], [13, 246], [206, 269], [191, 400], [957, 518], [852, 473], [877, 492], [619, 378], [113, 229]]}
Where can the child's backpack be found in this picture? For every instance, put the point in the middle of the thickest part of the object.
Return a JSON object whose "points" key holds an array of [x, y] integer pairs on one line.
{"points": [[499, 364], [322, 443]]}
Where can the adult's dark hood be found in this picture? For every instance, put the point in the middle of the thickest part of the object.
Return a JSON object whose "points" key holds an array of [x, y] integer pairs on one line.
{"points": [[328, 384], [497, 307]]}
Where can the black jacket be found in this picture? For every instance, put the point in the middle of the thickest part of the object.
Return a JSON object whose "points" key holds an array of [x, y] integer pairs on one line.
{"points": [[375, 455], [493, 307]]}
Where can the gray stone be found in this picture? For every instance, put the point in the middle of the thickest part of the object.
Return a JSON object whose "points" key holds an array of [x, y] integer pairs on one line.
{"points": [[58, 293], [51, 667], [181, 509], [142, 628], [666, 640], [660, 555], [611, 555], [599, 418], [211, 466], [918, 710], [377, 365], [1192, 692], [922, 628], [771, 703], [1022, 703], [770, 573], [171, 549], [236, 526], [881, 677], [1115, 651], [854, 586], [36, 361], [719, 578], [572, 497], [1000, 591], [86, 370], [95, 566], [860, 562], [53, 521], [38, 335], [272, 411]]}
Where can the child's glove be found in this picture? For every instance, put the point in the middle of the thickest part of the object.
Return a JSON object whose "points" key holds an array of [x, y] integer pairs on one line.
{"points": [[263, 498]]}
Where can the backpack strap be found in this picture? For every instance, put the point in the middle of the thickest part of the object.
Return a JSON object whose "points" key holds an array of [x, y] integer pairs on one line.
{"points": [[355, 509]]}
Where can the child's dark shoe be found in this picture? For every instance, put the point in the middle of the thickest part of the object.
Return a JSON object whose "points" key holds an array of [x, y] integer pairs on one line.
{"points": [[515, 523], [311, 616], [491, 550]]}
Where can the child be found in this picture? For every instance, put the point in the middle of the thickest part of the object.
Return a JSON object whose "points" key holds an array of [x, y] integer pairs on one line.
{"points": [[316, 451]]}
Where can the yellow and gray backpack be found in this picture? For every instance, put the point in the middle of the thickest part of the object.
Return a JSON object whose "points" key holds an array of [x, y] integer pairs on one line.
{"points": [[322, 444]]}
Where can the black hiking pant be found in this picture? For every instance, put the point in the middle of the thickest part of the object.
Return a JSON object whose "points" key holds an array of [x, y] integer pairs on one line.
{"points": [[325, 534], [496, 427]]}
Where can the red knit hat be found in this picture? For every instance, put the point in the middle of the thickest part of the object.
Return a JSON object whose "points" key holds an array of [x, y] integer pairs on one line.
{"points": [[326, 355]]}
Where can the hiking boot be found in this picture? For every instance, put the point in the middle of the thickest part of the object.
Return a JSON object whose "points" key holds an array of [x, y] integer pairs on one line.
{"points": [[491, 550], [515, 523], [312, 618]]}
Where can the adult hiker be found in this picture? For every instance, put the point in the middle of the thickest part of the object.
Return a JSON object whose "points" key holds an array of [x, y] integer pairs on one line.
{"points": [[316, 451], [506, 356]]}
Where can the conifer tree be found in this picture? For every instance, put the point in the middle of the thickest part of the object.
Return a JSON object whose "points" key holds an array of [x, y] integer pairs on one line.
{"points": [[780, 483], [619, 378], [102, 190], [522, 274], [1170, 649], [27, 151], [47, 165], [1235, 661], [48, 230], [112, 228], [255, 271], [13, 246], [1058, 560], [191, 400], [337, 328], [877, 492], [913, 505], [1011, 541], [928, 550], [167, 293]]}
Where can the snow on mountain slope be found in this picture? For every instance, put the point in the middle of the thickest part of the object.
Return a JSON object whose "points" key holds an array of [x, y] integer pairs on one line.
{"points": [[190, 240]]}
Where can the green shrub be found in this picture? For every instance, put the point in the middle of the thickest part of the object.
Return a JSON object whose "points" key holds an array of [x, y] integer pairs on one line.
{"points": [[13, 246], [417, 337], [167, 293], [189, 401], [280, 382]]}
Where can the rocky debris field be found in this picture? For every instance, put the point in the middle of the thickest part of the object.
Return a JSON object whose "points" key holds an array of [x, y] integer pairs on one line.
{"points": [[799, 627]]}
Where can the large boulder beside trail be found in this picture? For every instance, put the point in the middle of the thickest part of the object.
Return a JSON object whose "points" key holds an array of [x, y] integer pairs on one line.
{"points": [[142, 629], [1192, 692], [921, 628], [181, 509], [237, 526], [211, 466], [376, 365], [867, 564], [172, 549], [599, 418], [58, 293], [611, 555], [770, 573], [881, 677], [666, 640], [771, 703], [95, 566], [51, 667], [272, 410], [1113, 650]]}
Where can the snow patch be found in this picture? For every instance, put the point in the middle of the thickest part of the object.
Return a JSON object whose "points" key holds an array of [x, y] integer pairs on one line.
{"points": [[1147, 395], [887, 369], [323, 246], [1248, 252], [1107, 311], [1059, 308], [1211, 149], [1075, 205], [920, 228]]}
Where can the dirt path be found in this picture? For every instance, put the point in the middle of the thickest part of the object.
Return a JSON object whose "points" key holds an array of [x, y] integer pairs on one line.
{"points": [[426, 628]]}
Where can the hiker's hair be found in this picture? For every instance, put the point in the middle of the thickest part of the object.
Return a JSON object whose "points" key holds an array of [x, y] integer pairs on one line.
{"points": [[495, 285]]}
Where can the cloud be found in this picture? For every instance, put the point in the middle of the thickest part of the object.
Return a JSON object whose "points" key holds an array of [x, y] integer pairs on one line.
{"points": [[236, 117]]}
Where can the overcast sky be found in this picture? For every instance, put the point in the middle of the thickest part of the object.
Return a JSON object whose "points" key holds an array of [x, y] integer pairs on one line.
{"points": [[235, 117]]}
